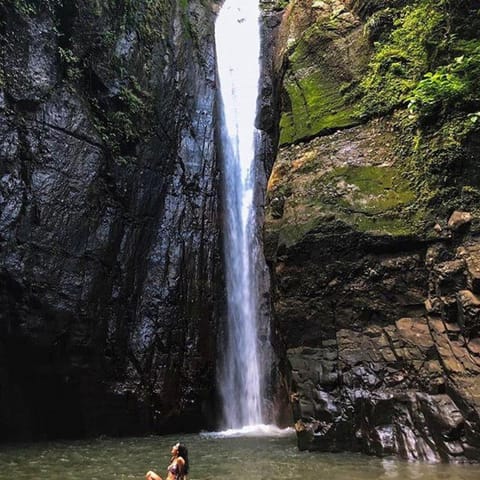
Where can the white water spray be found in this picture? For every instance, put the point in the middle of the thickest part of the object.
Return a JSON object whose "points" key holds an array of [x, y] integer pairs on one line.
{"points": [[237, 35]]}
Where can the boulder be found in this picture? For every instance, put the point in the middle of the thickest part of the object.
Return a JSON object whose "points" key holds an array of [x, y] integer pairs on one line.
{"points": [[459, 220]]}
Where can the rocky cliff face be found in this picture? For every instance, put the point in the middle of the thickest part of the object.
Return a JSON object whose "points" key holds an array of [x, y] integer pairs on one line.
{"points": [[372, 233], [108, 217]]}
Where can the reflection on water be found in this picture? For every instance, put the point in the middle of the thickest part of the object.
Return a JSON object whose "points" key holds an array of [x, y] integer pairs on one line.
{"points": [[211, 458]]}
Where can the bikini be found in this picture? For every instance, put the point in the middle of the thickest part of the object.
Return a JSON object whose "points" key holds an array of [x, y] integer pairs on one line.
{"points": [[174, 470]]}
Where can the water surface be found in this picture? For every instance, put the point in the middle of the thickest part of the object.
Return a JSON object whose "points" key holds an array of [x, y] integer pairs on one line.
{"points": [[211, 458]]}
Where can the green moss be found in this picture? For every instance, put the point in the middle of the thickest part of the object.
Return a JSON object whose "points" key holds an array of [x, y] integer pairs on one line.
{"points": [[148, 18], [427, 69], [371, 199], [308, 50], [443, 163], [312, 104], [403, 58], [70, 63], [291, 233], [280, 4], [184, 12], [126, 118], [394, 226], [312, 100], [430, 60], [25, 7], [275, 6], [370, 189]]}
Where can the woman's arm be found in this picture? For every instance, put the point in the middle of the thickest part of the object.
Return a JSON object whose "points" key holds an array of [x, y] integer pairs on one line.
{"points": [[151, 475]]}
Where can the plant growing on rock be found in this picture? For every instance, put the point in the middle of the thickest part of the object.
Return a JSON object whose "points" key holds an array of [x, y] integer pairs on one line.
{"points": [[400, 61], [450, 86]]}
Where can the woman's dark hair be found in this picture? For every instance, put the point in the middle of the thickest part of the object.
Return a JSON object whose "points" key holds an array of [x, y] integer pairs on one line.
{"points": [[183, 452]]}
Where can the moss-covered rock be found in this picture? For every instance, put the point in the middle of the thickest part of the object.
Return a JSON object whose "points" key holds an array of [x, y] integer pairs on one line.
{"points": [[369, 189], [427, 58], [424, 64], [372, 272], [355, 176], [312, 106], [325, 53]]}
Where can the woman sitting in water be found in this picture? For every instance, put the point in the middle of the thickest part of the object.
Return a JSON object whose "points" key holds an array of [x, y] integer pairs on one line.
{"points": [[178, 468]]}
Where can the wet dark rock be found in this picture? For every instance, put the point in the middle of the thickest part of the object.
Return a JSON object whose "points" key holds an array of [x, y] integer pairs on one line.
{"points": [[371, 370], [469, 313], [31, 67], [272, 349], [109, 239]]}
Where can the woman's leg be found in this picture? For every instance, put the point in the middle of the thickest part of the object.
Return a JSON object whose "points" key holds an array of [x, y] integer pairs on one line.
{"points": [[152, 476]]}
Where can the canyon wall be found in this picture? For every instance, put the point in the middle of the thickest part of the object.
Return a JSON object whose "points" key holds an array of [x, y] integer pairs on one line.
{"points": [[372, 226], [110, 276]]}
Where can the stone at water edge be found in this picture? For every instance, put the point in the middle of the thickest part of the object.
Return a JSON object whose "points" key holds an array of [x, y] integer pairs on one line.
{"points": [[459, 219]]}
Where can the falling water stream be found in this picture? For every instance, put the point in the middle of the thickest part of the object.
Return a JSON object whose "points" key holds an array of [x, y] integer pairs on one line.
{"points": [[237, 35]]}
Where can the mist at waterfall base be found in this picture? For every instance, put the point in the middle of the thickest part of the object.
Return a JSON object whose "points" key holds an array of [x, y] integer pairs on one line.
{"points": [[237, 36]]}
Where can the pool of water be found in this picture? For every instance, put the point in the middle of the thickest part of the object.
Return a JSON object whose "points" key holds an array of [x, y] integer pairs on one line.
{"points": [[210, 458]]}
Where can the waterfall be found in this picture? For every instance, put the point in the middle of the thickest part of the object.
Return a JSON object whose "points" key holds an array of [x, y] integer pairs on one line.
{"points": [[237, 35]]}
